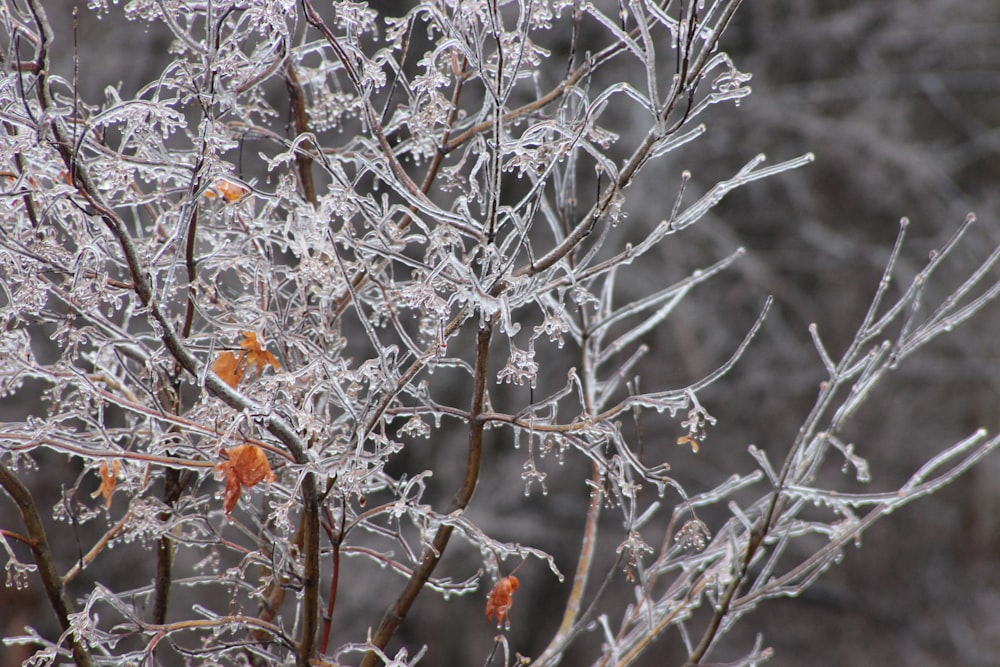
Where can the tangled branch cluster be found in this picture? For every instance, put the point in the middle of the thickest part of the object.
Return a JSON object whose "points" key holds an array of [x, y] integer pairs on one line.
{"points": [[317, 243]]}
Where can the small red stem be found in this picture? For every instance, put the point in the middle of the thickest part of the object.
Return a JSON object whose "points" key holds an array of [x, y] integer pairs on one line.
{"points": [[335, 539]]}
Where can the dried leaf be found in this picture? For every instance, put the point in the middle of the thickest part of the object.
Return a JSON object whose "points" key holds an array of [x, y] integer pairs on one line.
{"points": [[109, 479], [499, 602], [688, 440], [233, 490], [246, 466], [227, 190], [252, 354], [257, 355], [250, 464], [229, 367]]}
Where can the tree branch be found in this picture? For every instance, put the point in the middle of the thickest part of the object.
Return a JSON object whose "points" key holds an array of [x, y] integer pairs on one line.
{"points": [[393, 618], [51, 580]]}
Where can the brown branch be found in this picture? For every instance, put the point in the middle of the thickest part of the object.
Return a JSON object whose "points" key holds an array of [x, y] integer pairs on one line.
{"points": [[300, 121], [96, 549], [435, 165], [174, 344], [173, 485], [432, 554], [524, 110], [336, 538], [165, 548], [17, 536], [372, 118], [51, 580], [587, 548]]}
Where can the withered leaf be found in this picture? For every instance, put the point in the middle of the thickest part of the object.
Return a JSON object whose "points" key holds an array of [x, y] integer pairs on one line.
{"points": [[246, 466], [109, 480], [500, 600], [227, 190], [252, 355]]}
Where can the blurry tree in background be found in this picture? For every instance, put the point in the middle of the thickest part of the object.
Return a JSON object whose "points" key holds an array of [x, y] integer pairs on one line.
{"points": [[331, 329]]}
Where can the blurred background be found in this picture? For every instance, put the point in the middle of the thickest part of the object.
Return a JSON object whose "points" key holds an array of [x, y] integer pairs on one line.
{"points": [[900, 102]]}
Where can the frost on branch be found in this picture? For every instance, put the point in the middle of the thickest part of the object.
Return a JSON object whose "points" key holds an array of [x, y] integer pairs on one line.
{"points": [[348, 263]]}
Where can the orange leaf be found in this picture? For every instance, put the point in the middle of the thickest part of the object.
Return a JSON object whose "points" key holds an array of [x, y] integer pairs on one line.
{"points": [[257, 354], [247, 466], [231, 367], [688, 440], [499, 602], [232, 491], [250, 464], [227, 190], [109, 479]]}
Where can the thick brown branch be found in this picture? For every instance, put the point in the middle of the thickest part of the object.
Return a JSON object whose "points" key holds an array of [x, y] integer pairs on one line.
{"points": [[300, 121], [43, 558], [432, 555]]}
